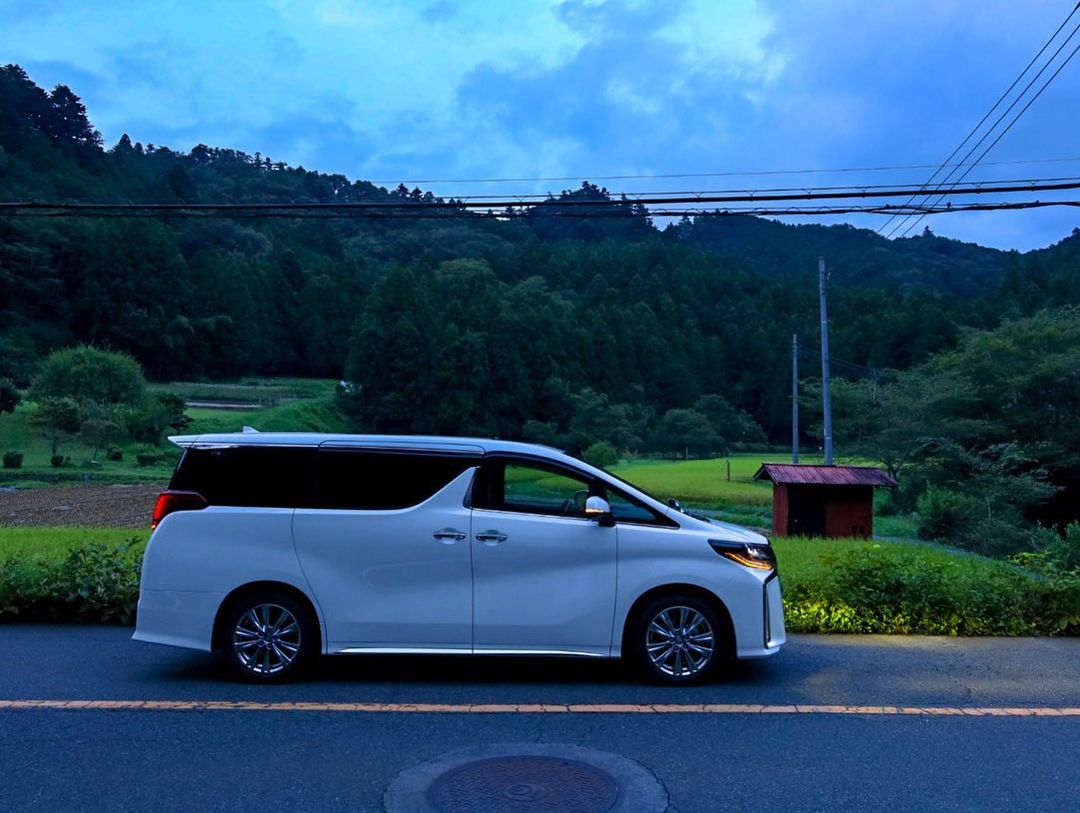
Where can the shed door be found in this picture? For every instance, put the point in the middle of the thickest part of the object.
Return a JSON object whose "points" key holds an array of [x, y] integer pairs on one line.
{"points": [[807, 511]]}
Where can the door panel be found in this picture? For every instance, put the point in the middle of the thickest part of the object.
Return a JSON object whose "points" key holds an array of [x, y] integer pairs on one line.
{"points": [[550, 585], [392, 578], [543, 574]]}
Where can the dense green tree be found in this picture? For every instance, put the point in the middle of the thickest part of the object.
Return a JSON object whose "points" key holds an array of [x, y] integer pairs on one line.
{"points": [[57, 418], [9, 396], [89, 374]]}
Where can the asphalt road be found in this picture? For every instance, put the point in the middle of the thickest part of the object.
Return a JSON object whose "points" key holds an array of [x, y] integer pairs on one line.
{"points": [[185, 760]]}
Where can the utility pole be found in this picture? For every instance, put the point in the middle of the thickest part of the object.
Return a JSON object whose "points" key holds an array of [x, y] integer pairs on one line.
{"points": [[826, 396], [794, 398]]}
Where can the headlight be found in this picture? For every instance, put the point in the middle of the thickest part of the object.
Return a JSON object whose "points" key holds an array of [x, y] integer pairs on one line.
{"points": [[747, 554]]}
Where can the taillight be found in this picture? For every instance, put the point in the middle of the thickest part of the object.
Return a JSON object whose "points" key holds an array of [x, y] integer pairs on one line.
{"points": [[169, 501]]}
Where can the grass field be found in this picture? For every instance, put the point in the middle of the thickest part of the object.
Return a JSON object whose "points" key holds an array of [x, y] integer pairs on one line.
{"points": [[701, 484], [312, 411], [56, 543]]}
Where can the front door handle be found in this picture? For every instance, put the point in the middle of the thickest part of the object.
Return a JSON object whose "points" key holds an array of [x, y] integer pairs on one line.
{"points": [[448, 536], [491, 537]]}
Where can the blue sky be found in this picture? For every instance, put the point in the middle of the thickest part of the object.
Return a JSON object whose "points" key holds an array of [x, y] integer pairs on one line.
{"points": [[438, 89]]}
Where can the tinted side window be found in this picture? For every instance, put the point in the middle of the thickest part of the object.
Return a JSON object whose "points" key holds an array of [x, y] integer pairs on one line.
{"points": [[533, 489], [371, 481], [627, 509], [261, 476]]}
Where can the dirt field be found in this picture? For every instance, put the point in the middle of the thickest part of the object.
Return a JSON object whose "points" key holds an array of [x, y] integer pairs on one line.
{"points": [[84, 506]]}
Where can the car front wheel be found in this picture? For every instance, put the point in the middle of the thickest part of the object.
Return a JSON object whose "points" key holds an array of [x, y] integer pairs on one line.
{"points": [[679, 640]]}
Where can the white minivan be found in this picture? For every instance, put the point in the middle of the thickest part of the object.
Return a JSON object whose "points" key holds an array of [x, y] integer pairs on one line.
{"points": [[274, 548]]}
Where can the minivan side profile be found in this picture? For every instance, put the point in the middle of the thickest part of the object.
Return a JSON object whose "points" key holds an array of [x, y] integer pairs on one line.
{"points": [[273, 549]]}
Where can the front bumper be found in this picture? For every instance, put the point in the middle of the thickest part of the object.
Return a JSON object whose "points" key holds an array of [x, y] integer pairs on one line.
{"points": [[774, 635]]}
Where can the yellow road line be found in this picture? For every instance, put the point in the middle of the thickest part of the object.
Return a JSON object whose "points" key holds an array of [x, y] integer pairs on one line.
{"points": [[538, 708]]}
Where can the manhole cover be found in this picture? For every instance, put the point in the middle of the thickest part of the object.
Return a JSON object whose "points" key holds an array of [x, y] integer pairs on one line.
{"points": [[527, 778], [532, 783]]}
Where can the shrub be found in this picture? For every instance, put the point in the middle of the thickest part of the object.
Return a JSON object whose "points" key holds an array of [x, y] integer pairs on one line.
{"points": [[114, 453], [1060, 552], [57, 460], [944, 514], [602, 455], [909, 590], [147, 458], [13, 460], [93, 583]]}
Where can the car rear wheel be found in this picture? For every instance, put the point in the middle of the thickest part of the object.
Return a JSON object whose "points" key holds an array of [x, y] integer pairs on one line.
{"points": [[269, 638], [678, 640]]}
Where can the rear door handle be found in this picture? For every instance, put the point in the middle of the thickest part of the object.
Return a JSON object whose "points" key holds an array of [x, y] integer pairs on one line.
{"points": [[448, 536], [491, 537]]}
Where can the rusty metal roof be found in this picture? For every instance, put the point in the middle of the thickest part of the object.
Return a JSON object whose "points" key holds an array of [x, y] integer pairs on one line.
{"points": [[797, 474]]}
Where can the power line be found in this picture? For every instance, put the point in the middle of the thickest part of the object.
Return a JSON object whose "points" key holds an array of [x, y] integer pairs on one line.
{"points": [[535, 212], [718, 174], [1000, 99], [1016, 118], [567, 203], [1003, 114], [633, 197]]}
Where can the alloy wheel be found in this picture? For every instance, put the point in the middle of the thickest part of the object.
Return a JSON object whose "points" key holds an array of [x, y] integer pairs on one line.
{"points": [[266, 639], [680, 641]]}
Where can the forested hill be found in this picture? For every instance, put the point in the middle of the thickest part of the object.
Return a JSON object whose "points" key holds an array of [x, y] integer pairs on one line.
{"points": [[855, 256], [530, 324]]}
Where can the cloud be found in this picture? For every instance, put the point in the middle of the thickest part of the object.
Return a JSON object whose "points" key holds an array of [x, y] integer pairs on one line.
{"points": [[382, 89]]}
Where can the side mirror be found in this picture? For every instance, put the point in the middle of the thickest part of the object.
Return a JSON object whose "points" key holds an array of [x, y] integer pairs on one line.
{"points": [[599, 509]]}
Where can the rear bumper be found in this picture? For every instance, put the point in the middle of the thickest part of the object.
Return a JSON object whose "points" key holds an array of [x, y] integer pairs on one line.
{"points": [[177, 618]]}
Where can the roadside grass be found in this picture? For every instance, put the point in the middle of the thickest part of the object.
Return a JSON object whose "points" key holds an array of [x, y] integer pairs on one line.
{"points": [[912, 588], [55, 543], [829, 586], [70, 574]]}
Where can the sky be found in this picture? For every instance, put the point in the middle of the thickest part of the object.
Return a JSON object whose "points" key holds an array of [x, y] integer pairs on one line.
{"points": [[464, 89]]}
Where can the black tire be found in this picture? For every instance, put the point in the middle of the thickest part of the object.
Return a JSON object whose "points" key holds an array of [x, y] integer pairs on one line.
{"points": [[279, 649], [680, 667]]}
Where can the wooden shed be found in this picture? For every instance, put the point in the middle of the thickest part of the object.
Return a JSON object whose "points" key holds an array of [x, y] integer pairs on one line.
{"points": [[830, 501]]}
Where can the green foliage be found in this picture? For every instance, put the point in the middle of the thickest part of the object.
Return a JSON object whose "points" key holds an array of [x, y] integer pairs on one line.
{"points": [[945, 514], [687, 430], [1053, 551], [114, 453], [93, 582], [859, 587], [57, 418], [13, 460], [90, 375], [147, 458], [984, 438], [147, 422], [9, 396], [602, 455]]}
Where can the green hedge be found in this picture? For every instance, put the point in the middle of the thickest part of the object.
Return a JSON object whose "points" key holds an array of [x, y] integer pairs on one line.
{"points": [[829, 586], [848, 586], [91, 581]]}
